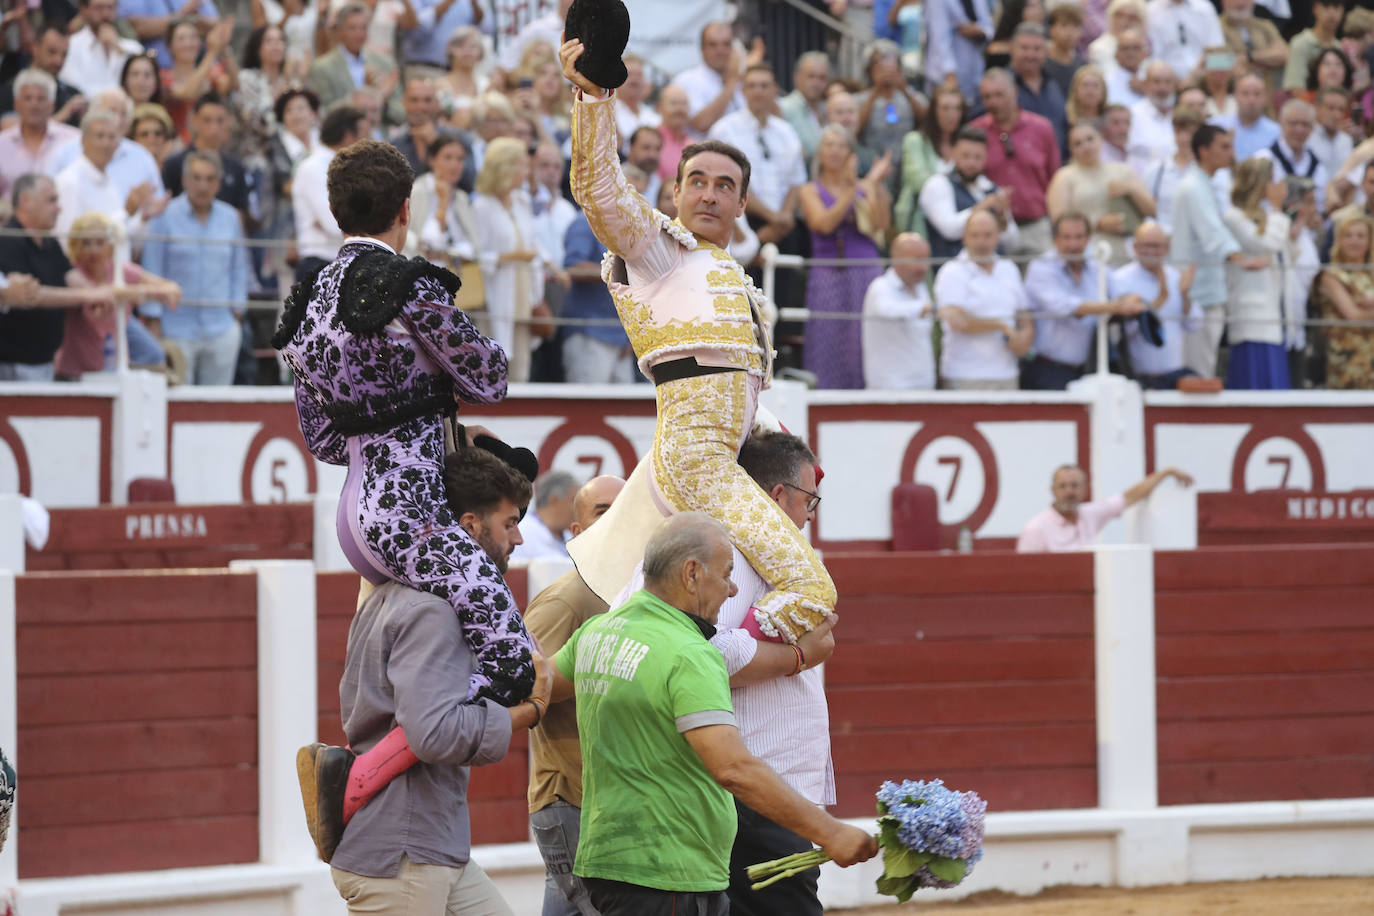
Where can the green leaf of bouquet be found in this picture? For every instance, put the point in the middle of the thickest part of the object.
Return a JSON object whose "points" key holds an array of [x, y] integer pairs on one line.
{"points": [[951, 870], [901, 888], [900, 862], [887, 833]]}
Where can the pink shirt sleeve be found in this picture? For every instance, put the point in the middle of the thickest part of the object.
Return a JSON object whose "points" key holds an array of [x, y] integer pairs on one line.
{"points": [[1092, 516]]}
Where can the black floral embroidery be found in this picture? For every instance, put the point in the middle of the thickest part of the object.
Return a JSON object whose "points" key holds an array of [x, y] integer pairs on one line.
{"points": [[359, 379]]}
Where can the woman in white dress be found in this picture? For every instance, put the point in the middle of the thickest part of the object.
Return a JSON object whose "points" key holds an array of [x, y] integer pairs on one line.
{"points": [[1254, 308], [512, 270]]}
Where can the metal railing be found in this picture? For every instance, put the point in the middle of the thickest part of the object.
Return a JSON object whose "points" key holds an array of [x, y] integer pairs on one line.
{"points": [[770, 262]]}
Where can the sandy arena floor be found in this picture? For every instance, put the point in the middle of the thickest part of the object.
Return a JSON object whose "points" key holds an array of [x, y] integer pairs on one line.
{"points": [[1278, 897]]}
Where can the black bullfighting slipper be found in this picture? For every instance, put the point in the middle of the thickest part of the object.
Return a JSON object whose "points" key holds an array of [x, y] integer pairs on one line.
{"points": [[332, 765]]}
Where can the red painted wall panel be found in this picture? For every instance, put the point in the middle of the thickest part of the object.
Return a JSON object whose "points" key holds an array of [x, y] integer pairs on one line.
{"points": [[973, 668], [173, 536], [137, 720], [1265, 671]]}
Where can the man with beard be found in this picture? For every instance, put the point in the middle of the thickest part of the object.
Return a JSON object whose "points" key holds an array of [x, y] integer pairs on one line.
{"points": [[948, 199], [408, 663]]}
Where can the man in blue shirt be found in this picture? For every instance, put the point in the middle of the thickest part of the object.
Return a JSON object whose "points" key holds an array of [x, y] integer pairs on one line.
{"points": [[592, 353], [1066, 301], [1253, 130], [151, 19], [197, 242], [427, 44]]}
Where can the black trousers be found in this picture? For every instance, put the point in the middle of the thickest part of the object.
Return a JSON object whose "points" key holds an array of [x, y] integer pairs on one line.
{"points": [[616, 898], [761, 840], [1044, 374]]}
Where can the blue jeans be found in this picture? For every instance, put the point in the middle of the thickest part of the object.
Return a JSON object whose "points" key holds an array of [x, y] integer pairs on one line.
{"points": [[144, 349], [556, 829]]}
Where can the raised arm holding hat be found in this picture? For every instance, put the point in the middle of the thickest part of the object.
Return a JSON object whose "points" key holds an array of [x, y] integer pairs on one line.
{"points": [[697, 327]]}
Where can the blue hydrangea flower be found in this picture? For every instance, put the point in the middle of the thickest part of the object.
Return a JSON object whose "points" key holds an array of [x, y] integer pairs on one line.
{"points": [[931, 818]]}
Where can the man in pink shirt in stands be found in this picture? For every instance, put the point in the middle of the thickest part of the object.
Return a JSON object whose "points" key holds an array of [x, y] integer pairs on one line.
{"points": [[1070, 523]]}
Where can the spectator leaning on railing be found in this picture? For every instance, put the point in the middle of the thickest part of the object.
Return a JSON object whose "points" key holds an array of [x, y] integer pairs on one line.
{"points": [[1064, 291], [35, 295], [898, 350], [1156, 363]]}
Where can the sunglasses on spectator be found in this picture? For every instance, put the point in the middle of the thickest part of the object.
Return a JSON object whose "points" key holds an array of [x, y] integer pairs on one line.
{"points": [[1007, 149]]}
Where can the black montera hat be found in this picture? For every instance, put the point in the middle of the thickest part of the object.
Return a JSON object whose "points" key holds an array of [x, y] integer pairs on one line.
{"points": [[603, 27]]}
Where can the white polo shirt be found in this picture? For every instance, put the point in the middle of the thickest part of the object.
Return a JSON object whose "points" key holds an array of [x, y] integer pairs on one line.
{"points": [[998, 295], [897, 323]]}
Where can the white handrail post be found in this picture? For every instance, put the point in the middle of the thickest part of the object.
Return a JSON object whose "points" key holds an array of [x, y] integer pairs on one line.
{"points": [[1102, 253], [768, 254]]}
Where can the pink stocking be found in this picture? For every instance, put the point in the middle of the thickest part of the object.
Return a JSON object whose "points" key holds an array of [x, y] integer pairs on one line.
{"points": [[373, 770]]}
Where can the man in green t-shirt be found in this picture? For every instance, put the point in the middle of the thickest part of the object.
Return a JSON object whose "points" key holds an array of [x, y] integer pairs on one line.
{"points": [[661, 753]]}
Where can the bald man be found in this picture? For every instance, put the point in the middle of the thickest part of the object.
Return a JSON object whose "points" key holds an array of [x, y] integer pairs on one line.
{"points": [[1165, 293], [663, 753], [898, 352], [555, 794], [1072, 523]]}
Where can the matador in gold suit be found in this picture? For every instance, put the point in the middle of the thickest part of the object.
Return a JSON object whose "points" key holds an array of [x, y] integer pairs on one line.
{"points": [[698, 330]]}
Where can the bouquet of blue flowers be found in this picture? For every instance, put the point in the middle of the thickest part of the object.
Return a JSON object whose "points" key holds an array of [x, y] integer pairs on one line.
{"points": [[931, 836]]}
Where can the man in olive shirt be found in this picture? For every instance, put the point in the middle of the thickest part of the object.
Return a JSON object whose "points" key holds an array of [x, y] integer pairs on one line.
{"points": [[661, 749], [556, 759]]}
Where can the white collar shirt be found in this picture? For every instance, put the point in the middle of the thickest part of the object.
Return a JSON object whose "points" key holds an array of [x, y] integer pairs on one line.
{"points": [[995, 294], [83, 188], [1054, 294], [1119, 91], [131, 166], [1146, 358], [1179, 30], [784, 721], [627, 122], [1330, 149], [90, 66], [896, 335], [702, 85], [774, 152], [317, 232], [1151, 137]]}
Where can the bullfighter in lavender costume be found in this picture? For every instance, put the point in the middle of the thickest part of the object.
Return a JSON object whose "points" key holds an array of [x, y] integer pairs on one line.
{"points": [[380, 356]]}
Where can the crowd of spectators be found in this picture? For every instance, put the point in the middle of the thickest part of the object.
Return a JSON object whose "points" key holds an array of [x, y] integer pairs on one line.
{"points": [[979, 152]]}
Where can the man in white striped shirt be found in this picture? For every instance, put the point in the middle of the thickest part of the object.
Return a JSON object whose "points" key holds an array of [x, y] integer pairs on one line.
{"points": [[778, 692]]}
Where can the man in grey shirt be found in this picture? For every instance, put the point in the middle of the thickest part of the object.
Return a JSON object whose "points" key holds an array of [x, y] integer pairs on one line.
{"points": [[406, 852]]}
